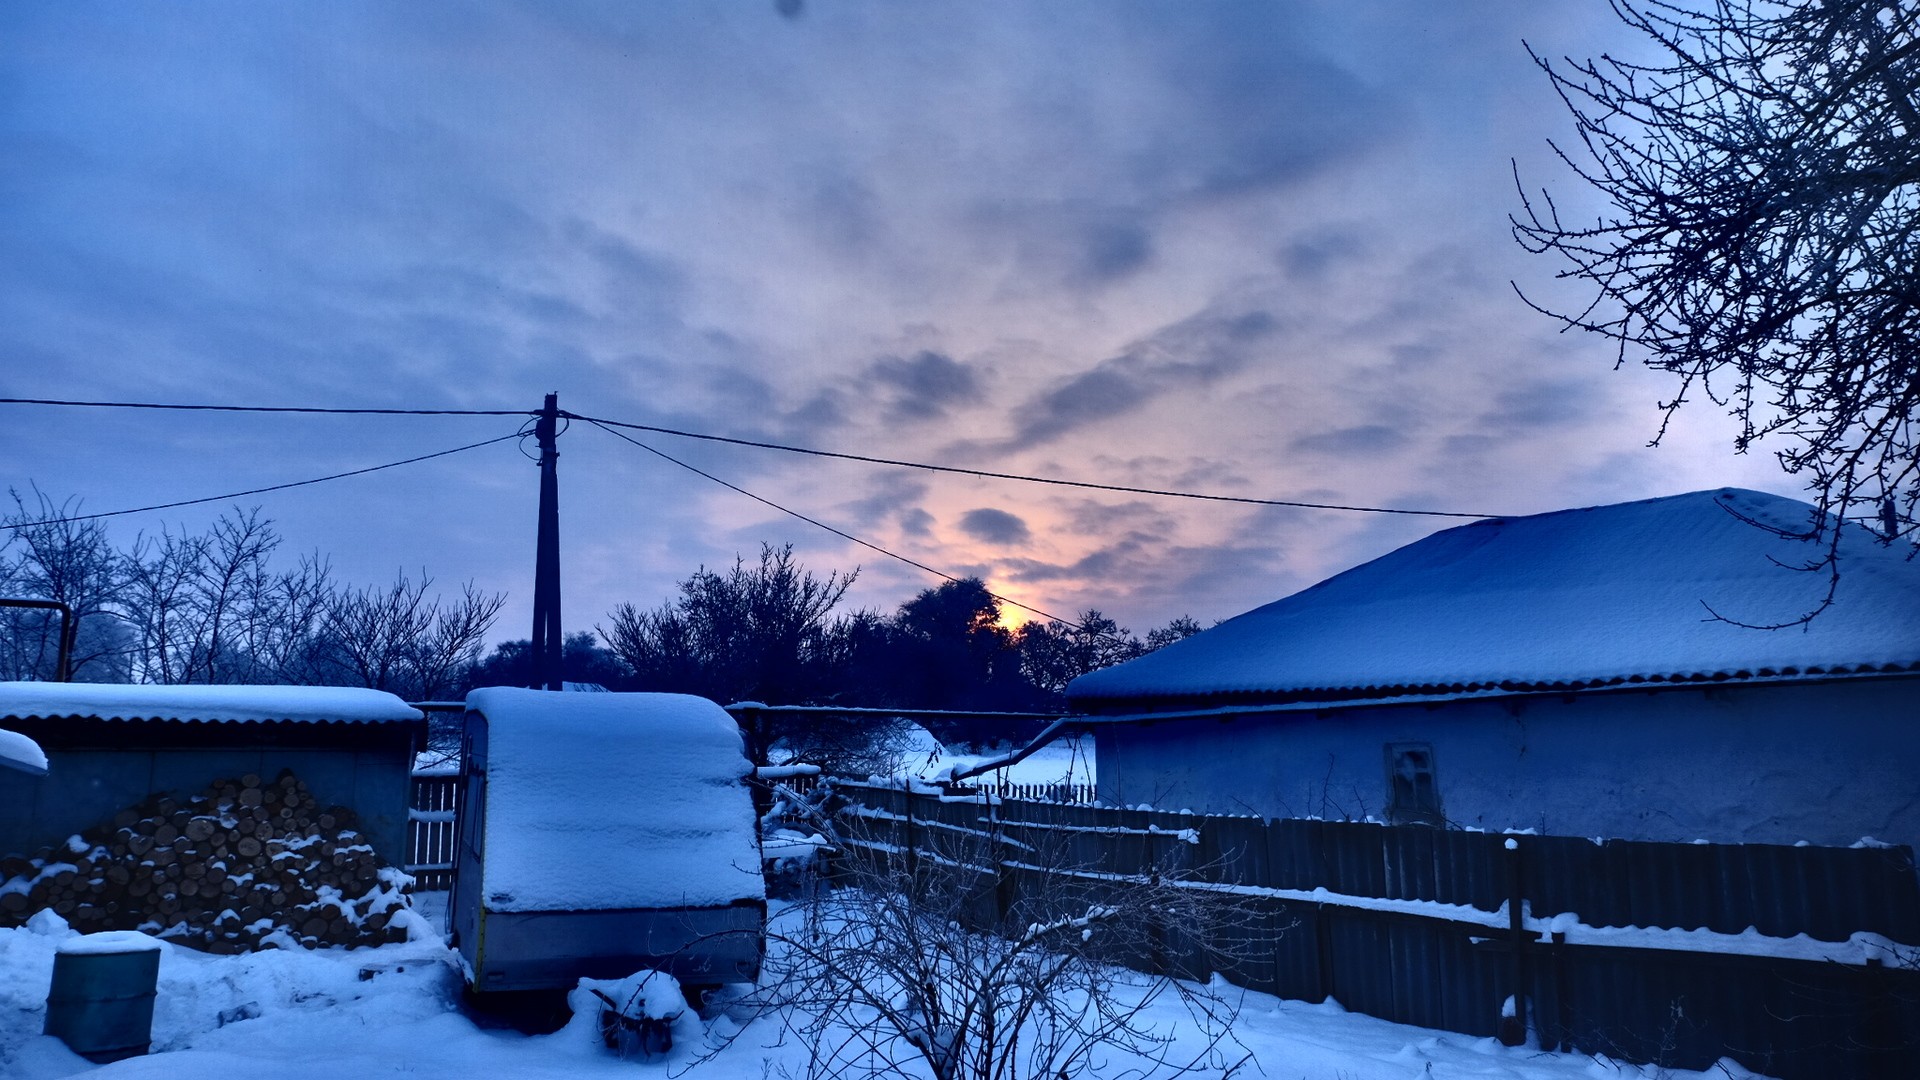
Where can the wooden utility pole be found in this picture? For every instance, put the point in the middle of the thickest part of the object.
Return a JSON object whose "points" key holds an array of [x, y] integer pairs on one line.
{"points": [[546, 558]]}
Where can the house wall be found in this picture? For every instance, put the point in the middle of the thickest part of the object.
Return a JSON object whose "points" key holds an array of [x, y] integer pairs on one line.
{"points": [[1828, 763], [90, 778]]}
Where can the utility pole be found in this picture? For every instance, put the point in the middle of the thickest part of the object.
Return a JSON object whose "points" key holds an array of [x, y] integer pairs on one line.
{"points": [[546, 558]]}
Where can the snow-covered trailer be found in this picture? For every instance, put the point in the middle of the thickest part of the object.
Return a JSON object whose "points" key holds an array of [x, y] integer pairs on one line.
{"points": [[601, 834]]}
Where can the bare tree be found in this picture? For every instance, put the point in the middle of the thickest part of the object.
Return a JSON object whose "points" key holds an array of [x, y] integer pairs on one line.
{"points": [[159, 578], [288, 648], [1054, 653], [1178, 628], [57, 558], [762, 632], [1763, 176], [398, 639], [936, 960], [211, 608], [204, 607]]}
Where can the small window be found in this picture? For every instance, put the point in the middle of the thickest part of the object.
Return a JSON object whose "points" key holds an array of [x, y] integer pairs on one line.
{"points": [[1413, 789]]}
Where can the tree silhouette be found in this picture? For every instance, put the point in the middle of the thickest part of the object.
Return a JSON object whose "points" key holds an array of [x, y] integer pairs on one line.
{"points": [[1763, 182]]}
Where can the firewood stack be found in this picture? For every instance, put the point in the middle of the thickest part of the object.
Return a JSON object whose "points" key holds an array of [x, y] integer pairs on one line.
{"points": [[245, 863]]}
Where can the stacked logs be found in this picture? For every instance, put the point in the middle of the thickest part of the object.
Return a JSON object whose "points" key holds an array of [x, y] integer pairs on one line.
{"points": [[246, 863]]}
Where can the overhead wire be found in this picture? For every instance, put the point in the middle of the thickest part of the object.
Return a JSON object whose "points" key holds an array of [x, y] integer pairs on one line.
{"points": [[844, 535], [173, 406], [991, 475], [256, 491], [610, 426], [759, 444]]}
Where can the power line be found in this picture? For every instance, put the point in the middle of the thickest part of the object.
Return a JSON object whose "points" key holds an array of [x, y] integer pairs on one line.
{"points": [[987, 474], [267, 408], [818, 523], [261, 490], [763, 445]]}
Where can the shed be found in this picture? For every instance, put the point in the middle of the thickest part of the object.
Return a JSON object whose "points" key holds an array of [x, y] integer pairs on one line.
{"points": [[110, 746], [1596, 671]]}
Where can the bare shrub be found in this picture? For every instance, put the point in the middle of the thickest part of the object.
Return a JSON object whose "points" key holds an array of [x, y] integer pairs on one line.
{"points": [[968, 957]]}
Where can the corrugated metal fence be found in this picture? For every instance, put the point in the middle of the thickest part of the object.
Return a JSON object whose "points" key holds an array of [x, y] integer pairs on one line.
{"points": [[1418, 925]]}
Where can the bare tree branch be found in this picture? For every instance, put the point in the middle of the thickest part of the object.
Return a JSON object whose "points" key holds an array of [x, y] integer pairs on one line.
{"points": [[1763, 178]]}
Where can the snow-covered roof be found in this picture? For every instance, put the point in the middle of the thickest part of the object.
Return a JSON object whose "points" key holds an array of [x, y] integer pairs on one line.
{"points": [[1603, 596], [609, 801], [217, 704], [19, 752]]}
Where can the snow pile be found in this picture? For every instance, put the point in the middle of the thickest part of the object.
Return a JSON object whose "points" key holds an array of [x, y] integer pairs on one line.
{"points": [[642, 1016], [113, 701], [394, 1011], [19, 752], [606, 801], [106, 942], [1605, 593]]}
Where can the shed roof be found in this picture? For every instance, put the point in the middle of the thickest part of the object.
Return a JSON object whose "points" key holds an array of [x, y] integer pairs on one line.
{"points": [[204, 704], [1641, 592]]}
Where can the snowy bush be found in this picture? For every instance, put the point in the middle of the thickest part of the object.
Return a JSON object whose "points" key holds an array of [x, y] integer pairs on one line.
{"points": [[937, 962]]}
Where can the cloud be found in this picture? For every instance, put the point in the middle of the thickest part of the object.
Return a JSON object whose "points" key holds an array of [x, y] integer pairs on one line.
{"points": [[1539, 403], [891, 496], [925, 385], [1252, 108], [1114, 250], [1313, 256], [994, 526], [1073, 242], [1367, 440], [1089, 518], [1193, 352]]}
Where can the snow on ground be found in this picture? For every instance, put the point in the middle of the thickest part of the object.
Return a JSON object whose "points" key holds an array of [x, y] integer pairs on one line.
{"points": [[338, 1014], [1068, 760]]}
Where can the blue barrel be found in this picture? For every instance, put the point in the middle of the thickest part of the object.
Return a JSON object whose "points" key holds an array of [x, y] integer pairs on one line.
{"points": [[101, 1001]]}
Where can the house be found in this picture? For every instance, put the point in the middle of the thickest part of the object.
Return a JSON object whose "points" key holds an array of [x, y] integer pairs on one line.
{"points": [[1591, 672], [110, 746]]}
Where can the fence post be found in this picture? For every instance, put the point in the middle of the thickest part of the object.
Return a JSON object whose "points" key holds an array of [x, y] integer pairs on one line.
{"points": [[1005, 893], [1513, 1026], [912, 842]]}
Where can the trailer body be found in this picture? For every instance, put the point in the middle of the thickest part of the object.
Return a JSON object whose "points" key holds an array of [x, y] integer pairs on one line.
{"points": [[603, 834]]}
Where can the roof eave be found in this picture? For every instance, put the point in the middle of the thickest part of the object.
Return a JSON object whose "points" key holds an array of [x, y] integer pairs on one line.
{"points": [[1170, 706]]}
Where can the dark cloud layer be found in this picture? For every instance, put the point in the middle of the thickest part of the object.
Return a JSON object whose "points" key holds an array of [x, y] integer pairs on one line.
{"points": [[1368, 440], [993, 526], [925, 385], [1264, 110], [1193, 352]]}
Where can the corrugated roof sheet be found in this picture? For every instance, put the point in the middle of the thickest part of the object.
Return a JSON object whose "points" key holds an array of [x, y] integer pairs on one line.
{"points": [[1576, 599]]}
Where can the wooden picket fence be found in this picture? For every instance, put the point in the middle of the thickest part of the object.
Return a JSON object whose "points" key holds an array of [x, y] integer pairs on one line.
{"points": [[431, 827], [1444, 928]]}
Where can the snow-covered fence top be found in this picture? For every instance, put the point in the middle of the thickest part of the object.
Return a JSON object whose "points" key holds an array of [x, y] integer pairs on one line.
{"points": [[613, 801], [216, 704]]}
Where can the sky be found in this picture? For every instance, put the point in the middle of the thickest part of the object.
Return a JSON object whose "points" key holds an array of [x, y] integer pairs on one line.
{"points": [[1250, 249]]}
